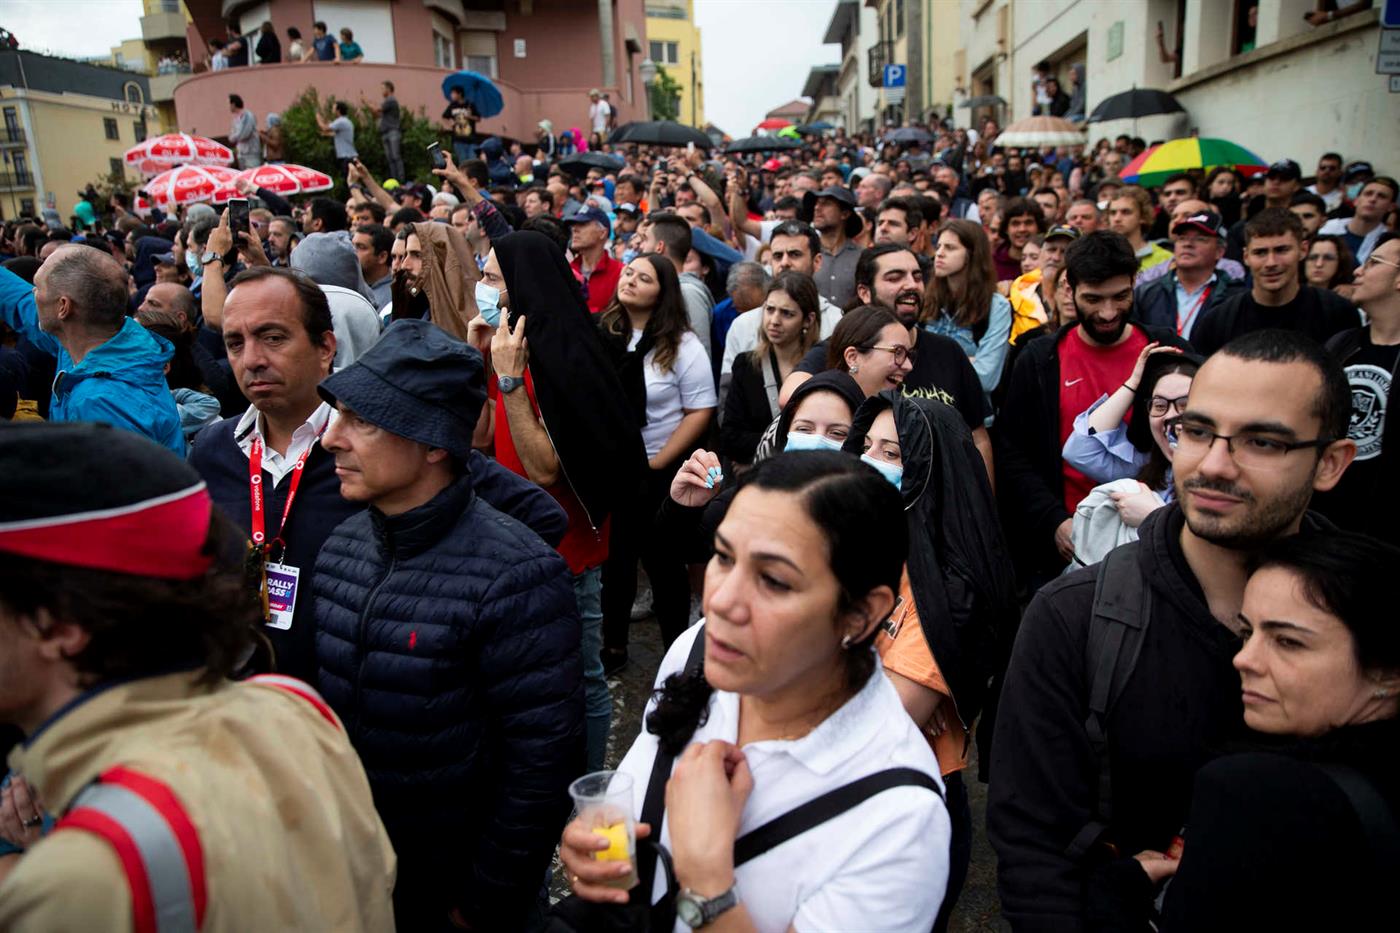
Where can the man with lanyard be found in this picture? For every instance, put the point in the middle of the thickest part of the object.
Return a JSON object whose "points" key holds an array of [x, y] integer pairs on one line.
{"points": [[1194, 285]]}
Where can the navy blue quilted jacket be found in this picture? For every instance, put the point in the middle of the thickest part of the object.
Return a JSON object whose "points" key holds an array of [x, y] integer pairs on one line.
{"points": [[448, 641]]}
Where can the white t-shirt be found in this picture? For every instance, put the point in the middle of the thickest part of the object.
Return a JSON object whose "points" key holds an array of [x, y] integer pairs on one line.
{"points": [[598, 113], [688, 386], [882, 865]]}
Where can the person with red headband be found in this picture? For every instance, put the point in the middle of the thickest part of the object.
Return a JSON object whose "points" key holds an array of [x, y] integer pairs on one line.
{"points": [[183, 800]]}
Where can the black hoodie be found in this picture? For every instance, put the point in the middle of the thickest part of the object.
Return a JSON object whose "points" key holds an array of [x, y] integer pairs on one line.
{"points": [[1180, 709], [959, 567], [582, 405]]}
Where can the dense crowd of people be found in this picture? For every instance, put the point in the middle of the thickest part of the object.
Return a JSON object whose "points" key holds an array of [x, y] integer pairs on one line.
{"points": [[974, 446]]}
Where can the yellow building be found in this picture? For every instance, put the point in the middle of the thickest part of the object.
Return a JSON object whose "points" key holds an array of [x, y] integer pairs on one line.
{"points": [[673, 43], [66, 124], [161, 52]]}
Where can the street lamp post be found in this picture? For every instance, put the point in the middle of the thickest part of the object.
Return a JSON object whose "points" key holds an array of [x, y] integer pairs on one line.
{"points": [[648, 72]]}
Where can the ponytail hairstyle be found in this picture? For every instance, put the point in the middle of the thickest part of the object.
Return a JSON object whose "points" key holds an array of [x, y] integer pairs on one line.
{"points": [[861, 516]]}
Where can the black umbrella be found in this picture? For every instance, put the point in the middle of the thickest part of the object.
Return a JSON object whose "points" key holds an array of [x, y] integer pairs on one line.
{"points": [[985, 100], [909, 134], [763, 144], [660, 133], [579, 163], [1139, 102]]}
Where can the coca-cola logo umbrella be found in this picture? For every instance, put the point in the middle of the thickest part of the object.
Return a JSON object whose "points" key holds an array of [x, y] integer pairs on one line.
{"points": [[162, 152], [287, 179], [191, 184]]}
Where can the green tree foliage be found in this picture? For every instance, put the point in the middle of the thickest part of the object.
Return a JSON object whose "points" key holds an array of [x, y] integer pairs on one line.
{"points": [[665, 96], [306, 145]]}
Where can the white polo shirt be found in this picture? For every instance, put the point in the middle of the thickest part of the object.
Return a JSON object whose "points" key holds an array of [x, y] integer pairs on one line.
{"points": [[882, 865]]}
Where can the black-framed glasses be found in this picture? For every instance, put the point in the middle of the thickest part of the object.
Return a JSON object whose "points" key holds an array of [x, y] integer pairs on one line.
{"points": [[1160, 404], [1250, 449], [900, 354]]}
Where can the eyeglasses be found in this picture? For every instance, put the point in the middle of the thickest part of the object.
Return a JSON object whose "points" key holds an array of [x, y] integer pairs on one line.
{"points": [[1373, 260], [1251, 450], [1161, 403], [900, 354]]}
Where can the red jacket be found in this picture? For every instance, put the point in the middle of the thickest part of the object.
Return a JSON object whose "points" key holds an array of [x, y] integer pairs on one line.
{"points": [[601, 283]]}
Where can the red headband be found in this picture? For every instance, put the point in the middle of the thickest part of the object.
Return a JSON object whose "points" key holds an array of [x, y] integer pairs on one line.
{"points": [[161, 537]]}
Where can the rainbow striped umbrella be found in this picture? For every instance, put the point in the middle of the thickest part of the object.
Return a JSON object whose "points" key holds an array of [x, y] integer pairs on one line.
{"points": [[1160, 162]]}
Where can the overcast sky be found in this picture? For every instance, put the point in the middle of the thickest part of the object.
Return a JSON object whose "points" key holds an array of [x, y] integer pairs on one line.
{"points": [[756, 52], [757, 55]]}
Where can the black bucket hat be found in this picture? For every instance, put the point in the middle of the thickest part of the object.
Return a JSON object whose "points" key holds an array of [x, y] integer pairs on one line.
{"points": [[418, 382], [837, 193]]}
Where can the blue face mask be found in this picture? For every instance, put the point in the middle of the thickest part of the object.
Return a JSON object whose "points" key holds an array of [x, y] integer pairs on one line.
{"points": [[1354, 189], [192, 261], [797, 441], [890, 471], [628, 255], [486, 302]]}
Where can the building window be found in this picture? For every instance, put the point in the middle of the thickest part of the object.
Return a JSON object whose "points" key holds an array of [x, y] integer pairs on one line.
{"points": [[26, 207], [442, 50], [109, 125], [140, 129], [21, 166], [481, 64], [665, 53], [114, 165], [133, 93], [899, 17]]}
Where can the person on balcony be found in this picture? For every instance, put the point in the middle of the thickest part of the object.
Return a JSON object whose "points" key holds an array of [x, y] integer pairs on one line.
{"points": [[243, 134], [349, 52]]}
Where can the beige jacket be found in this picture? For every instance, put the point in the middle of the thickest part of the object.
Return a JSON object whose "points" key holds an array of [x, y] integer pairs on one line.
{"points": [[278, 798]]}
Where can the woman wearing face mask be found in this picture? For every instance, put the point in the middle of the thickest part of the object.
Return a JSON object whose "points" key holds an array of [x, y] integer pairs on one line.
{"points": [[817, 417], [562, 420], [962, 301], [665, 368], [791, 312], [951, 630], [1330, 265], [1121, 443], [1316, 802], [784, 702]]}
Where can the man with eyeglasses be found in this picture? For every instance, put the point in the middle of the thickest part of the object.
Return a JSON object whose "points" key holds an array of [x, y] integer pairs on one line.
{"points": [[1274, 248], [1264, 429], [1054, 379], [1364, 499]]}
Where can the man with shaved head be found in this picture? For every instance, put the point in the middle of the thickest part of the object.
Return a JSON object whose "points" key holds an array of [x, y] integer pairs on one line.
{"points": [[110, 368]]}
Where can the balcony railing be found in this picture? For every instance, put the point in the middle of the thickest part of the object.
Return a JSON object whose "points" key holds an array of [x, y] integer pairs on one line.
{"points": [[881, 54], [16, 181], [13, 137]]}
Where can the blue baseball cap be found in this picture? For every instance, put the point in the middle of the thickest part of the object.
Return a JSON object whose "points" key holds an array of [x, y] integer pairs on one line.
{"points": [[590, 215]]}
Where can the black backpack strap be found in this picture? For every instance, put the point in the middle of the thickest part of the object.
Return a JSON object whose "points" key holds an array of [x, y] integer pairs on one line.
{"points": [[1375, 813], [654, 803], [1122, 610], [833, 803]]}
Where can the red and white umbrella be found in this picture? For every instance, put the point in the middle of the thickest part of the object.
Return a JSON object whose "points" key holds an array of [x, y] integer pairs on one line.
{"points": [[162, 152], [287, 179], [190, 184]]}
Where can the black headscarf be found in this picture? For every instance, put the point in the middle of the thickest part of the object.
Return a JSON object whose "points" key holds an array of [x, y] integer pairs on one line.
{"points": [[585, 412], [959, 567], [831, 380]]}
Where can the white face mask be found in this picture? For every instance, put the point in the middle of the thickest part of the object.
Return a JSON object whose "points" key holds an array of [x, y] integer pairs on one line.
{"points": [[890, 471], [799, 441]]}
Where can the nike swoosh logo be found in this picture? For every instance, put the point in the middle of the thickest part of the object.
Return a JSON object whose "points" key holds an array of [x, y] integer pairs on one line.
{"points": [[1071, 382]]}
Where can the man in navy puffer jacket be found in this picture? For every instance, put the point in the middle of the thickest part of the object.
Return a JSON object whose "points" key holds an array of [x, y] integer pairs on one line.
{"points": [[447, 641]]}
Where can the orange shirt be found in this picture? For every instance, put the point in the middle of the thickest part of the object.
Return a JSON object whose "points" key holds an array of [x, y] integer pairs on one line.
{"points": [[904, 650]]}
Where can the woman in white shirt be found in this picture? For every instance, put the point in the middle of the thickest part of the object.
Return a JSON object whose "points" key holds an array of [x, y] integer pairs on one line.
{"points": [[648, 313], [790, 704]]}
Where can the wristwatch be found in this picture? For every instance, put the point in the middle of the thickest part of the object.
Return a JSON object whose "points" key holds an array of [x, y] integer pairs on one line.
{"points": [[508, 384], [210, 256], [696, 911]]}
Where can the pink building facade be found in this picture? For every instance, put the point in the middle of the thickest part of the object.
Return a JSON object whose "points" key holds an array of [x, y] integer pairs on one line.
{"points": [[544, 55]]}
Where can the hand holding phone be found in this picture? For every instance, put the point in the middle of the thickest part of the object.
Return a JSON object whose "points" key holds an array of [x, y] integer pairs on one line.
{"points": [[435, 154], [238, 215]]}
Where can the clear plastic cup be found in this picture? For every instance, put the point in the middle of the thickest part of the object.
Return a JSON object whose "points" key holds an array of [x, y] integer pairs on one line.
{"points": [[603, 801]]}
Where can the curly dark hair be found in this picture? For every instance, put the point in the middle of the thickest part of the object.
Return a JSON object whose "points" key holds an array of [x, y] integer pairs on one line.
{"points": [[140, 626]]}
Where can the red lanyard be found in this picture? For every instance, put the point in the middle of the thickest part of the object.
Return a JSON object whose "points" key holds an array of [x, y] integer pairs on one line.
{"points": [[255, 491], [1182, 325]]}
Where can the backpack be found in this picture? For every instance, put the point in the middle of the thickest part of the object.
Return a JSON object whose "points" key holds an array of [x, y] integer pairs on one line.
{"points": [[1121, 613], [639, 914]]}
